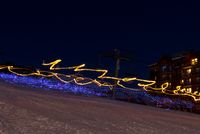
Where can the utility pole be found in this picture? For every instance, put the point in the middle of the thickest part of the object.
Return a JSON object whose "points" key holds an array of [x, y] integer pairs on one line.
{"points": [[117, 65], [117, 56]]}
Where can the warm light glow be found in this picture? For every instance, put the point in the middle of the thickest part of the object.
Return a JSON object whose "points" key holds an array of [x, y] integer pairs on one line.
{"points": [[189, 90], [194, 61], [101, 79], [189, 71], [182, 81], [190, 80]]}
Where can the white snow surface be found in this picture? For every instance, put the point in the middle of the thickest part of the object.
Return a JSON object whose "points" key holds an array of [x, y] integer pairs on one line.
{"points": [[31, 111]]}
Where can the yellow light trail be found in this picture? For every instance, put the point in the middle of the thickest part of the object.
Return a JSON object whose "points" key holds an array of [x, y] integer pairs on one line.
{"points": [[147, 85]]}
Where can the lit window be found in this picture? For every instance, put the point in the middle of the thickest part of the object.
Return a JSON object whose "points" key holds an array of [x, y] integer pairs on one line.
{"points": [[182, 81], [183, 90], [194, 61], [189, 90], [189, 71], [190, 80]]}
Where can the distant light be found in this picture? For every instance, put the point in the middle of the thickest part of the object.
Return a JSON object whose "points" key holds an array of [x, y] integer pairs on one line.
{"points": [[147, 85], [194, 61], [189, 71]]}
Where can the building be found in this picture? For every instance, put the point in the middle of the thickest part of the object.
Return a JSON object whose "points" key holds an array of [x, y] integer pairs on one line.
{"points": [[180, 70]]}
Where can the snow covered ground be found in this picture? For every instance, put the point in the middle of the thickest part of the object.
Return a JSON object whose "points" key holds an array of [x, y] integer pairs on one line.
{"points": [[29, 111]]}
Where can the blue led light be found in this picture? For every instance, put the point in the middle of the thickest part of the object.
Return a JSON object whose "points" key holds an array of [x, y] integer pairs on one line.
{"points": [[130, 95]]}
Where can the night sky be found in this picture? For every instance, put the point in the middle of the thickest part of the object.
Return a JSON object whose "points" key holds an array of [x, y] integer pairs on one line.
{"points": [[146, 30]]}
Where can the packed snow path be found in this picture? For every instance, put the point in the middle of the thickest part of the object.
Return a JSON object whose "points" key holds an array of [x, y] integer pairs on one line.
{"points": [[27, 111]]}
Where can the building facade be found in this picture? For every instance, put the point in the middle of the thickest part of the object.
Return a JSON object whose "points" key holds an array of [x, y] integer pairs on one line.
{"points": [[180, 70]]}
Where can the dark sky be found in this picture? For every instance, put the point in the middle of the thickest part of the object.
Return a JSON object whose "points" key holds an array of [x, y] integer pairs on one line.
{"points": [[146, 30]]}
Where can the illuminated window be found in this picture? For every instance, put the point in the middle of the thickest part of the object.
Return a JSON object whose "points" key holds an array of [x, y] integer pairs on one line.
{"points": [[194, 61], [189, 90], [169, 83], [189, 71], [190, 80], [182, 81]]}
